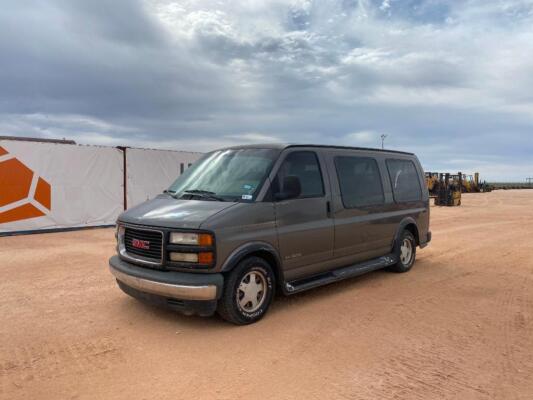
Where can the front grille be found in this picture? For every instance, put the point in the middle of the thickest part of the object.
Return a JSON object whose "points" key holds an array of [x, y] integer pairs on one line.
{"points": [[154, 238]]}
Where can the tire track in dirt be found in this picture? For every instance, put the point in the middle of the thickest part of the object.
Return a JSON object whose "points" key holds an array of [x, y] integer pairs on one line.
{"points": [[517, 335], [51, 361]]}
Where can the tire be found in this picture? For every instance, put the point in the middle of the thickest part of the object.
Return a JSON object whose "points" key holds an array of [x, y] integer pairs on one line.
{"points": [[406, 258], [237, 304]]}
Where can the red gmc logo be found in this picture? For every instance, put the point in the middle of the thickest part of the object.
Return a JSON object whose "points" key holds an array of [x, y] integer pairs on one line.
{"points": [[140, 244]]}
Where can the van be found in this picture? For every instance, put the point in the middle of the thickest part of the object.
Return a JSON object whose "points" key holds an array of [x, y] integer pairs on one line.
{"points": [[245, 222]]}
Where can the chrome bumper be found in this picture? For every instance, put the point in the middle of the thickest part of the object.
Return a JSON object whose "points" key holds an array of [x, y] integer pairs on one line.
{"points": [[175, 291]]}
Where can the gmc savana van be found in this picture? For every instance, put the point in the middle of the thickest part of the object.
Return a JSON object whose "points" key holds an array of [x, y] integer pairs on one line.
{"points": [[244, 222]]}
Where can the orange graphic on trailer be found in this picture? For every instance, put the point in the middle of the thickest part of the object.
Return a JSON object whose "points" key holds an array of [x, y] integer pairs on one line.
{"points": [[23, 194]]}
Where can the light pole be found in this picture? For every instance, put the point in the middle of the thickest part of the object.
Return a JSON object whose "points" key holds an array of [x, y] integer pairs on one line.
{"points": [[383, 137]]}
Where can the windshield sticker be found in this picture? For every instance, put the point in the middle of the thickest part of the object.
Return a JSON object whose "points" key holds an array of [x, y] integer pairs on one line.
{"points": [[247, 187], [247, 197]]}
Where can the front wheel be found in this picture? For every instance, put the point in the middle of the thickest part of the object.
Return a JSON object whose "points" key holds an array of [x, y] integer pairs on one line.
{"points": [[405, 251], [248, 292]]}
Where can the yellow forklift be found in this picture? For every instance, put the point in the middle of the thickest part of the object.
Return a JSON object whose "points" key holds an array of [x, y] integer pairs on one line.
{"points": [[432, 183], [449, 190], [470, 183]]}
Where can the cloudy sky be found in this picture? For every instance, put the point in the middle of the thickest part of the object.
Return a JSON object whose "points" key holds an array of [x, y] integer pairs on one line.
{"points": [[450, 80]]}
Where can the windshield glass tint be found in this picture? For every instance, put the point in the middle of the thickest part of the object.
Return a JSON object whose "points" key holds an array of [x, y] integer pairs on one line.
{"points": [[230, 174]]}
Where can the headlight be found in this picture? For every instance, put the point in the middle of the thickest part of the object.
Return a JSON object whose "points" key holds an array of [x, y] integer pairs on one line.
{"points": [[184, 257], [195, 239], [205, 258], [119, 232], [119, 235]]}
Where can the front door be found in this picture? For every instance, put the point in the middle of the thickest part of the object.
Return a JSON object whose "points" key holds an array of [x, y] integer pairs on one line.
{"points": [[304, 225]]}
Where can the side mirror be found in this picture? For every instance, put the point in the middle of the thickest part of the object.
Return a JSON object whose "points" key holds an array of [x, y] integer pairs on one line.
{"points": [[291, 188]]}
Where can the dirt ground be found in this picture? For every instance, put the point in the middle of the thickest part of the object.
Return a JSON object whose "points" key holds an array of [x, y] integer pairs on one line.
{"points": [[457, 326]]}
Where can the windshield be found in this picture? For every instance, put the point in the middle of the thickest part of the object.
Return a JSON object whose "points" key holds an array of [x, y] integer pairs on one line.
{"points": [[227, 175]]}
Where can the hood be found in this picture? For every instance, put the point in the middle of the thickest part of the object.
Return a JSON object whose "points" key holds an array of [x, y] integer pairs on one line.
{"points": [[168, 212]]}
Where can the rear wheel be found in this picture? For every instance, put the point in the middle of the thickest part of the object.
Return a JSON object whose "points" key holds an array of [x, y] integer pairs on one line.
{"points": [[405, 251], [248, 292]]}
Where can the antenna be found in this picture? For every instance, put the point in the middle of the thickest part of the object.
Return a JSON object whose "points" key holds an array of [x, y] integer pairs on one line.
{"points": [[383, 137]]}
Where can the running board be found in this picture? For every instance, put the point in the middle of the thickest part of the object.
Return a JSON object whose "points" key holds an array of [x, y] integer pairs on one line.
{"points": [[336, 275]]}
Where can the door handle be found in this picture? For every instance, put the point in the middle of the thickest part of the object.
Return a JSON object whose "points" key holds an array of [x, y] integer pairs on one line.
{"points": [[328, 209]]}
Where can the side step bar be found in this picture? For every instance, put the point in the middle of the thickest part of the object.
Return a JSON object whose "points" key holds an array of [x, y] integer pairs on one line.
{"points": [[336, 275]]}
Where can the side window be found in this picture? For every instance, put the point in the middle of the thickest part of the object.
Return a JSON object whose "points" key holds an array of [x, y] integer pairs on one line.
{"points": [[360, 181], [405, 180], [305, 166]]}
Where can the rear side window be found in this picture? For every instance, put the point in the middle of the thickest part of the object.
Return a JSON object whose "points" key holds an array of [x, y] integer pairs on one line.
{"points": [[405, 180], [360, 181], [305, 166]]}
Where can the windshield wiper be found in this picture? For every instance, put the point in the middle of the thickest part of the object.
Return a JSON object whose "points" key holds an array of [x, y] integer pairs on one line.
{"points": [[203, 193]]}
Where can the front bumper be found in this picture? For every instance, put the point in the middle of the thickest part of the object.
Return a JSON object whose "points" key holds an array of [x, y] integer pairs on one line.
{"points": [[187, 292]]}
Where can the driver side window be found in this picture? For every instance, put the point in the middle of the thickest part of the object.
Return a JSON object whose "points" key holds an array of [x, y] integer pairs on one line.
{"points": [[304, 166]]}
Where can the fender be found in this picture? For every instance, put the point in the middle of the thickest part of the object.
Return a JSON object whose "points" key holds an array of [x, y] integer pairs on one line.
{"points": [[406, 221], [248, 248]]}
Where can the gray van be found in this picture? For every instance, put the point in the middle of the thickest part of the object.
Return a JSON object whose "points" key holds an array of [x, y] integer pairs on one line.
{"points": [[244, 222]]}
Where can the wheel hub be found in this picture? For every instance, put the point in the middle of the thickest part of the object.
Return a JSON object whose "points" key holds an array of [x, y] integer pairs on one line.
{"points": [[251, 291], [406, 252]]}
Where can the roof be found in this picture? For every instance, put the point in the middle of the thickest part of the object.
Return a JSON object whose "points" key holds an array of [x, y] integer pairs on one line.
{"points": [[282, 146], [41, 140]]}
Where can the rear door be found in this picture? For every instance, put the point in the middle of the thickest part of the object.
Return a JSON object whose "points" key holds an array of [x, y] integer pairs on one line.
{"points": [[304, 225], [359, 201]]}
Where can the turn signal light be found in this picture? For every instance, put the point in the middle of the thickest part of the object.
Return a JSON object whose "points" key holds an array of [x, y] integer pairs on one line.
{"points": [[205, 239], [206, 258]]}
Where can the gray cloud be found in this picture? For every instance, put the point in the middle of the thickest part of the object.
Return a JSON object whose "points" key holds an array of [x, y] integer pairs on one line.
{"points": [[449, 80]]}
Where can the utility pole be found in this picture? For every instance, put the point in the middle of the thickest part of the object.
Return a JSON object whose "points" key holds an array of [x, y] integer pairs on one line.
{"points": [[383, 137], [529, 180]]}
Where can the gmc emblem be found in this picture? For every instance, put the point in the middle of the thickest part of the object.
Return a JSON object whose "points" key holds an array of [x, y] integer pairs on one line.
{"points": [[140, 244]]}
